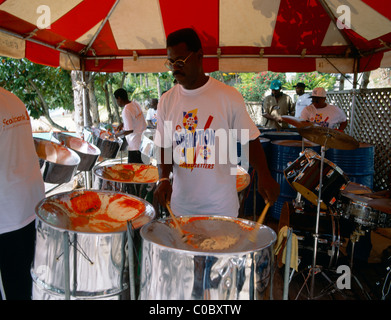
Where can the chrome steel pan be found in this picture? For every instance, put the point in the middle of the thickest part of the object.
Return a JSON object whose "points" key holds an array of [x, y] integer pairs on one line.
{"points": [[58, 163], [80, 250], [87, 152], [233, 269], [108, 147]]}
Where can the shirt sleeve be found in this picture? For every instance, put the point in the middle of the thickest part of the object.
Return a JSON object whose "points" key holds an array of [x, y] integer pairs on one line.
{"points": [[164, 130]]}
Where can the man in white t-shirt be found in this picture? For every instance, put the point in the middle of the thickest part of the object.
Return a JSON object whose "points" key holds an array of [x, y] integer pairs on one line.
{"points": [[21, 188], [151, 116], [195, 121], [322, 113], [133, 124], [303, 99]]}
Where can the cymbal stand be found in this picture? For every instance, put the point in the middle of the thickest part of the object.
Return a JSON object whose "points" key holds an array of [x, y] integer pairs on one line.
{"points": [[316, 235], [315, 269]]}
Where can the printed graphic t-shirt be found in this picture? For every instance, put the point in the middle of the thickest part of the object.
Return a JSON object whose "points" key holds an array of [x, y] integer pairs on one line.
{"points": [[200, 127], [133, 119], [21, 183], [329, 116]]}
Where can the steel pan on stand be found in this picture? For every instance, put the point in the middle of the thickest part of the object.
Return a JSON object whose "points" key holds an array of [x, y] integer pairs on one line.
{"points": [[108, 145], [58, 163], [81, 246], [225, 265], [87, 152], [125, 177]]}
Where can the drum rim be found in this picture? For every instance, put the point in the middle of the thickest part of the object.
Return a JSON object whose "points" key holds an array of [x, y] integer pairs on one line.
{"points": [[210, 253], [149, 209]]}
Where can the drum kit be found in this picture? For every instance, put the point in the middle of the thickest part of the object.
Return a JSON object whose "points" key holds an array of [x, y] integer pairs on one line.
{"points": [[326, 186]]}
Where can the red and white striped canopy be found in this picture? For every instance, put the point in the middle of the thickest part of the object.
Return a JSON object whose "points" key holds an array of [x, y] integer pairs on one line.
{"points": [[237, 35]]}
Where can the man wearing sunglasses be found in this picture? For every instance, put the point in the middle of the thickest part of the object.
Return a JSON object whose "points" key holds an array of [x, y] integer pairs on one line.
{"points": [[195, 121]]}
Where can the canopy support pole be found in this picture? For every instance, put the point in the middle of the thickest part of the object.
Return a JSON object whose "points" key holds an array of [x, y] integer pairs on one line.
{"points": [[88, 175]]}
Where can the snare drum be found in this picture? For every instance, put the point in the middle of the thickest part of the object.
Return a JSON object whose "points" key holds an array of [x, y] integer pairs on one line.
{"points": [[355, 207], [308, 180]]}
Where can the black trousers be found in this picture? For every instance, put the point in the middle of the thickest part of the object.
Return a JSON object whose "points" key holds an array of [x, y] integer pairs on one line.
{"points": [[134, 156], [16, 257]]}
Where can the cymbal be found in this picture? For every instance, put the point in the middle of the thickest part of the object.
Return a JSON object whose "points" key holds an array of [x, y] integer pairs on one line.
{"points": [[297, 122], [329, 137], [383, 205]]}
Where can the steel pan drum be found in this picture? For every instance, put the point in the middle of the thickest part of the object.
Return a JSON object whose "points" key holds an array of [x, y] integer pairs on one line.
{"points": [[282, 135], [87, 152], [242, 179], [91, 227], [117, 176], [219, 262], [58, 163], [358, 164], [107, 143]]}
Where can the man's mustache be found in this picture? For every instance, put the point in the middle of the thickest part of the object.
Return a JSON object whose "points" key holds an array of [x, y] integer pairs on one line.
{"points": [[177, 72]]}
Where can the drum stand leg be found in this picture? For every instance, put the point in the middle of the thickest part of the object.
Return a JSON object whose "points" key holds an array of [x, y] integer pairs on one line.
{"points": [[354, 238], [2, 291], [132, 285]]}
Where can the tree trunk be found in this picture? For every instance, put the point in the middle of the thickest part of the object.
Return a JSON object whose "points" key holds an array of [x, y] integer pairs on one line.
{"points": [[117, 116], [107, 97], [124, 74], [45, 107], [341, 82], [365, 79], [159, 91], [92, 99], [78, 101]]}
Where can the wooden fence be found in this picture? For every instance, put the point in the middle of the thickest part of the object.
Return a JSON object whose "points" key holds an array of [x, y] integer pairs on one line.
{"points": [[369, 121]]}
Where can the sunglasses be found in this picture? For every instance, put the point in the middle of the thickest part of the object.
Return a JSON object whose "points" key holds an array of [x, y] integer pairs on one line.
{"points": [[179, 63]]}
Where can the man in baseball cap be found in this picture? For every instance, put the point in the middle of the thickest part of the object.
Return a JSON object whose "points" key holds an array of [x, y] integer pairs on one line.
{"points": [[322, 113], [276, 105], [303, 99]]}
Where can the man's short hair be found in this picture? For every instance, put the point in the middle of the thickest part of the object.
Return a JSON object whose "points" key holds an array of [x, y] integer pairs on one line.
{"points": [[186, 35], [121, 93]]}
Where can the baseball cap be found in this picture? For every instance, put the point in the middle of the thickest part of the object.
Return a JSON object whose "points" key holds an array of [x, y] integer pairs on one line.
{"points": [[300, 85], [319, 92], [276, 85]]}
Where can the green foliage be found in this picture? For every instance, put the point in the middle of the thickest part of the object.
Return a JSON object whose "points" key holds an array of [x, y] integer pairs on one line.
{"points": [[313, 80], [253, 86], [20, 75]]}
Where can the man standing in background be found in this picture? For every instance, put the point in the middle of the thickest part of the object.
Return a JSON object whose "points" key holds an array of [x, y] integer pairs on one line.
{"points": [[133, 124], [303, 99], [276, 105]]}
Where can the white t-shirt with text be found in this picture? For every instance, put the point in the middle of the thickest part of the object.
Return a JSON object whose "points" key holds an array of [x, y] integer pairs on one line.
{"points": [[330, 116], [21, 182], [197, 123]]}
